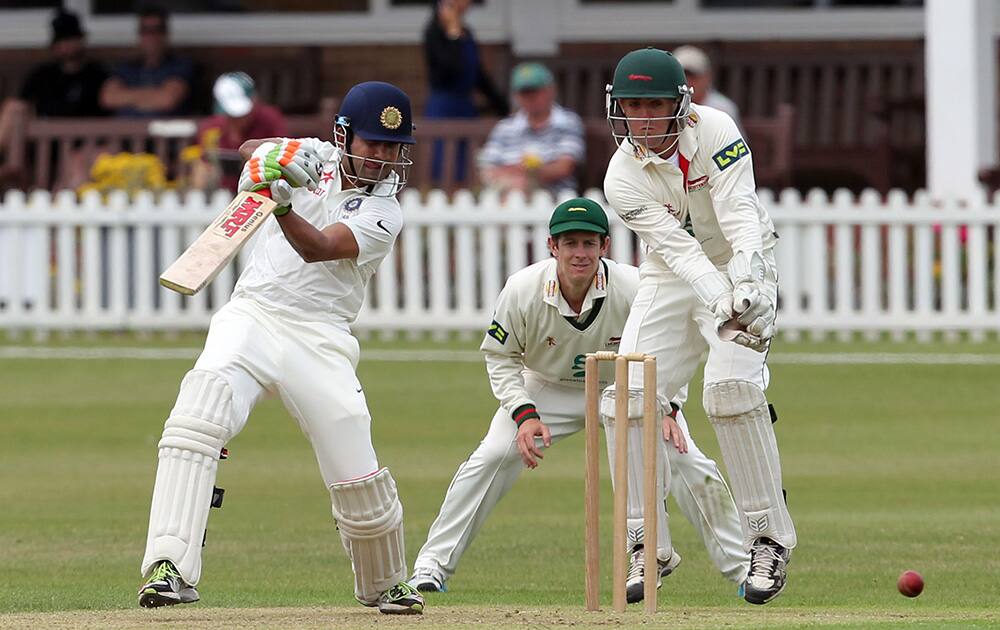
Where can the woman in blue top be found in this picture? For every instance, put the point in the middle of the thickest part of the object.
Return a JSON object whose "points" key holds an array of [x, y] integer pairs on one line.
{"points": [[455, 73]]}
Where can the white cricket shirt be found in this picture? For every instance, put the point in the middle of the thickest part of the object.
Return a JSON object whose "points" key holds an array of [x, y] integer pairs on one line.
{"points": [[534, 329], [275, 272], [693, 215]]}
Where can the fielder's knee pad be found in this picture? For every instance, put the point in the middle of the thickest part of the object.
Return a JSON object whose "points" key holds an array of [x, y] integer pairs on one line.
{"points": [[370, 518], [200, 424], [739, 413], [635, 466]]}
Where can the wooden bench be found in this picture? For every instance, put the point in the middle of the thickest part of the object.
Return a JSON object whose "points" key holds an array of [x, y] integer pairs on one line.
{"points": [[42, 151]]}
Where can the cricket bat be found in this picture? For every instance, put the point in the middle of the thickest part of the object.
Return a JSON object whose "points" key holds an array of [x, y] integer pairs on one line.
{"points": [[218, 244]]}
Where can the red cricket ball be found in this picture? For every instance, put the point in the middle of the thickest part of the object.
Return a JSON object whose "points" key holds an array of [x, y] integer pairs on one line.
{"points": [[910, 583]]}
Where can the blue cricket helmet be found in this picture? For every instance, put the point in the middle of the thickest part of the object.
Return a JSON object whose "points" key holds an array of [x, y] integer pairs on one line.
{"points": [[378, 112]]}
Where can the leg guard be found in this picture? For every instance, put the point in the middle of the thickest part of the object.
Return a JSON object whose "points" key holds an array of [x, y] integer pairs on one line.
{"points": [[370, 518], [738, 411], [200, 424], [635, 461], [705, 500]]}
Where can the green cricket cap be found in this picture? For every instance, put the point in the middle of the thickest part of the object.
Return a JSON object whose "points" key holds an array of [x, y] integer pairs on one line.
{"points": [[530, 76], [581, 214]]}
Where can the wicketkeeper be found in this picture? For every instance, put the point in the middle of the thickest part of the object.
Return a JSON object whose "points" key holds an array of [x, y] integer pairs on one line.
{"points": [[682, 180], [547, 317], [286, 332]]}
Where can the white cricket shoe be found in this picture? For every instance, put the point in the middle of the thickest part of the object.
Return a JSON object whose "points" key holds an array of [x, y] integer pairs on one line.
{"points": [[166, 587], [427, 581], [637, 572], [401, 599], [766, 579]]}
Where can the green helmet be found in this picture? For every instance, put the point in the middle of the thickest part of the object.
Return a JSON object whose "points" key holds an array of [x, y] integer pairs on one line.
{"points": [[648, 73]]}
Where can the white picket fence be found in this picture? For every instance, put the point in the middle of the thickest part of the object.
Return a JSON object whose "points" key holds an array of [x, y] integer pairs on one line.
{"points": [[846, 265]]}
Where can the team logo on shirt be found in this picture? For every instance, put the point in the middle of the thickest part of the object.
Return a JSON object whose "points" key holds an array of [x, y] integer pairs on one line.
{"points": [[613, 342], [600, 281], [550, 341], [352, 204], [628, 215], [725, 158], [497, 332]]}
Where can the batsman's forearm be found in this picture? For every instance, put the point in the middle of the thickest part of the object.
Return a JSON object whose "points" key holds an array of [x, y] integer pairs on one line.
{"points": [[309, 242]]}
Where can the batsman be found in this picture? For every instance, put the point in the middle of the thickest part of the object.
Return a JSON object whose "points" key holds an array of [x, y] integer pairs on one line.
{"points": [[547, 318], [285, 332], [682, 180]]}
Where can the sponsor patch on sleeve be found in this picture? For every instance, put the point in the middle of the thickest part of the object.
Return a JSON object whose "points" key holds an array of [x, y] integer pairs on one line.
{"points": [[497, 332], [730, 154]]}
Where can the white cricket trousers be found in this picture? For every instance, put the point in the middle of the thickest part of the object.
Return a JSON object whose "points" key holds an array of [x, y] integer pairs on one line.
{"points": [[310, 363], [486, 476]]}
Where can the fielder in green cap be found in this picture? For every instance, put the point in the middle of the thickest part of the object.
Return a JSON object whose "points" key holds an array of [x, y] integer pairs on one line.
{"points": [[548, 316], [683, 183]]}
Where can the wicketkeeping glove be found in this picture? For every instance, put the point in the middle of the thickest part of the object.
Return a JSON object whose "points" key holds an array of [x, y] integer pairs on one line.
{"points": [[716, 293], [752, 302]]}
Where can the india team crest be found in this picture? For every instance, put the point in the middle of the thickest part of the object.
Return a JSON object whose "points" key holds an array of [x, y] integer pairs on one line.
{"points": [[352, 204], [391, 118]]}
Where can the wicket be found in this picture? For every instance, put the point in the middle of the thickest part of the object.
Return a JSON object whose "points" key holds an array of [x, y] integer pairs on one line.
{"points": [[592, 483]]}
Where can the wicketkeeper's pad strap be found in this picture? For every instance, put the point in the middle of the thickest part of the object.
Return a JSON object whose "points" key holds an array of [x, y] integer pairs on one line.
{"points": [[370, 518]]}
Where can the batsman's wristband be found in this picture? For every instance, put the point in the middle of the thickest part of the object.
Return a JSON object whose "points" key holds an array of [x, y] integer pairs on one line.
{"points": [[280, 211], [524, 413]]}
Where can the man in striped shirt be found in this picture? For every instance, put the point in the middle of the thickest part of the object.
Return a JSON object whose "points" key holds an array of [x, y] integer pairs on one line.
{"points": [[540, 145]]}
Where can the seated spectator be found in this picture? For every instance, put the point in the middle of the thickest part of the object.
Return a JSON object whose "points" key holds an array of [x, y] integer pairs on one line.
{"points": [[698, 70], [239, 116], [70, 83], [540, 145], [158, 83]]}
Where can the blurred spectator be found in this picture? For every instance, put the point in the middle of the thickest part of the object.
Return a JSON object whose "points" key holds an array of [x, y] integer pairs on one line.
{"points": [[698, 70], [456, 73], [239, 116], [540, 145], [158, 83], [69, 84]]}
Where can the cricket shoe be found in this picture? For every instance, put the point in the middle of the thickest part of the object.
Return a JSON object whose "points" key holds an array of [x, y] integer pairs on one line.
{"points": [[766, 579], [166, 587], [637, 573], [401, 599], [427, 581]]}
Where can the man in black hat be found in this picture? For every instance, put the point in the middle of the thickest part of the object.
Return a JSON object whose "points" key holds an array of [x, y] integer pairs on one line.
{"points": [[69, 84]]}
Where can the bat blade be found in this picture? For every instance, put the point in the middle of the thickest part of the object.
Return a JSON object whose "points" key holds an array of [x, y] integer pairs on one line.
{"points": [[218, 244]]}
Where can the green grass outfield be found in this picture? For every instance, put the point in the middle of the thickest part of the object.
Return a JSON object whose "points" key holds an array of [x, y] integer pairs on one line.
{"points": [[888, 466]]}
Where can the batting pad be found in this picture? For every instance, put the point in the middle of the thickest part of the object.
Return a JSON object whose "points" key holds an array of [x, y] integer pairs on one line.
{"points": [[198, 427], [370, 518], [738, 412], [635, 468]]}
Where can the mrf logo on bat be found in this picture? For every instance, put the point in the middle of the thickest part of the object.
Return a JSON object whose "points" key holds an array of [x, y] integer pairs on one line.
{"points": [[242, 217]]}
